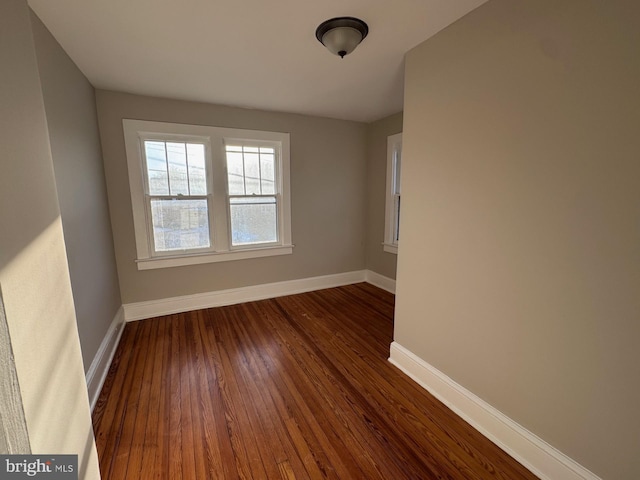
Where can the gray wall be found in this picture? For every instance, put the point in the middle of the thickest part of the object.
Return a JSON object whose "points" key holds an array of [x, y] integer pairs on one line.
{"points": [[327, 189], [519, 271], [378, 260], [69, 101], [34, 277]]}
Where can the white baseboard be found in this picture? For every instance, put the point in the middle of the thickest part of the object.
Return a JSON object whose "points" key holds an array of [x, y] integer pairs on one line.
{"points": [[99, 368], [380, 281], [542, 459], [168, 306]]}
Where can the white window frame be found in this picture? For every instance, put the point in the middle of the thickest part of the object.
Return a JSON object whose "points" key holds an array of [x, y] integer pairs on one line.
{"points": [[392, 198], [215, 139]]}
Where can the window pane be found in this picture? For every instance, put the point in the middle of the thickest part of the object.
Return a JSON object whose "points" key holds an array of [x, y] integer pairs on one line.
{"points": [[156, 168], [396, 220], [235, 172], [177, 157], [180, 224], [252, 173], [251, 170], [267, 172], [253, 220], [197, 171], [398, 164]]}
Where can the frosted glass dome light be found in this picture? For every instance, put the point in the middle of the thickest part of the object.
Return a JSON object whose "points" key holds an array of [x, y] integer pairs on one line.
{"points": [[341, 35]]}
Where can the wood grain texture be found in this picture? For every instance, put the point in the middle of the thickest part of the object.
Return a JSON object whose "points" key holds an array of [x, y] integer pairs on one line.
{"points": [[296, 387]]}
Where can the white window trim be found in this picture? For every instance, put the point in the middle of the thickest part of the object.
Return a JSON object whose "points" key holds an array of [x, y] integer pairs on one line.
{"points": [[214, 138], [390, 245]]}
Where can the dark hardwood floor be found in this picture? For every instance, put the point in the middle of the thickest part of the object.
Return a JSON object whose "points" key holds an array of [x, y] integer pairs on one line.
{"points": [[295, 387]]}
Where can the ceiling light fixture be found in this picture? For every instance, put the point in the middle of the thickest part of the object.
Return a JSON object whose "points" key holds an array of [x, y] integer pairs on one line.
{"points": [[341, 35]]}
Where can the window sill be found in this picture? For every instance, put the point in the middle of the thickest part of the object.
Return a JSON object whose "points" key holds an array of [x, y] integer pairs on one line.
{"points": [[389, 248], [211, 257]]}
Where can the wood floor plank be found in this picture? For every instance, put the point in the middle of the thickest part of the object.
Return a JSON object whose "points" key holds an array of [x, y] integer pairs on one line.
{"points": [[378, 397], [132, 406], [256, 376], [175, 405], [260, 446], [379, 417], [153, 450], [303, 457], [140, 446], [215, 412], [116, 408], [347, 405], [312, 410], [241, 432], [287, 387], [446, 432], [212, 445], [296, 387]]}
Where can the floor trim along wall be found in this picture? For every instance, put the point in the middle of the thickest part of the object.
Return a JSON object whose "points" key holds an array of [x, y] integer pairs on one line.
{"points": [[380, 281], [168, 306], [531, 451], [99, 368]]}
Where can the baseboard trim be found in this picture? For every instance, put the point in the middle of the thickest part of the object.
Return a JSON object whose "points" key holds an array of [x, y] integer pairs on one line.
{"points": [[542, 459], [168, 306], [99, 367], [380, 281]]}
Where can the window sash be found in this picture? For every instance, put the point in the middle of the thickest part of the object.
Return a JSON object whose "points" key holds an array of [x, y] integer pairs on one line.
{"points": [[254, 200], [173, 234], [166, 140], [396, 218], [177, 197], [392, 194], [242, 150], [153, 241], [175, 162]]}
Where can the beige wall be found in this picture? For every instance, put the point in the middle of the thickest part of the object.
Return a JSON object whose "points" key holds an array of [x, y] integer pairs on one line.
{"points": [[327, 191], [378, 260], [34, 277], [70, 106], [519, 273]]}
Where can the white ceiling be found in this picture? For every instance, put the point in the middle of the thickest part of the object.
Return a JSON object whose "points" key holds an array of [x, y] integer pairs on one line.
{"points": [[248, 53]]}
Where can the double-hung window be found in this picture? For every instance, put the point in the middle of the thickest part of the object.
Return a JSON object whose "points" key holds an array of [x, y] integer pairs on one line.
{"points": [[253, 202], [176, 194], [392, 213], [206, 194]]}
